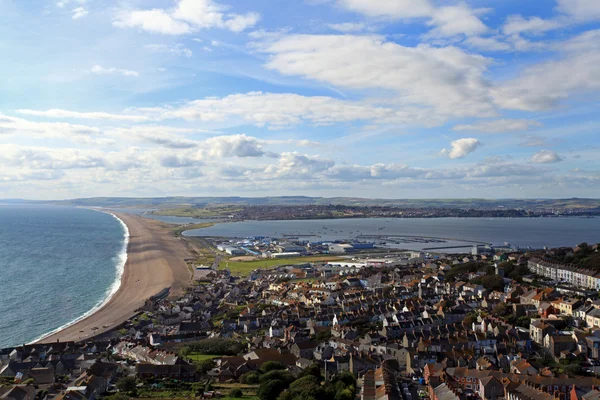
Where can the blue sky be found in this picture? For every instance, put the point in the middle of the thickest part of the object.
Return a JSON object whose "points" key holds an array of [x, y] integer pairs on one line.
{"points": [[365, 98]]}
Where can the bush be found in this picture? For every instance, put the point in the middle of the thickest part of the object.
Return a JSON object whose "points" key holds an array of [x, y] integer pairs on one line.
{"points": [[127, 384], [117, 396], [277, 374], [272, 366], [250, 378], [236, 393], [204, 366], [314, 369], [270, 390], [306, 387]]}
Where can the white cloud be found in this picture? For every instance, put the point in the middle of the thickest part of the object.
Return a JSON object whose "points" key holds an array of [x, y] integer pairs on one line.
{"points": [[516, 24], [234, 146], [461, 148], [571, 12], [445, 21], [581, 10], [154, 21], [98, 69], [545, 157], [58, 113], [186, 17], [544, 85], [177, 49], [499, 125], [347, 27], [273, 109], [447, 79], [79, 12], [23, 127], [294, 165], [455, 20], [396, 9], [487, 44]]}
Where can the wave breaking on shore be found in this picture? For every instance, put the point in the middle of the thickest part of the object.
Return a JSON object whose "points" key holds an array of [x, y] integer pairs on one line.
{"points": [[120, 261]]}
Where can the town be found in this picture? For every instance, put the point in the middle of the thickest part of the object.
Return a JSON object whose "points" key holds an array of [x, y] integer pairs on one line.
{"points": [[489, 324]]}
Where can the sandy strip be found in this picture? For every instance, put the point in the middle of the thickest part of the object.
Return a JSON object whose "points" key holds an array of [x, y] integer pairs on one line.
{"points": [[155, 260]]}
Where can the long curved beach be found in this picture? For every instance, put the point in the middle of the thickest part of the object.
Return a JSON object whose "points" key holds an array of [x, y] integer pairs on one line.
{"points": [[155, 260]]}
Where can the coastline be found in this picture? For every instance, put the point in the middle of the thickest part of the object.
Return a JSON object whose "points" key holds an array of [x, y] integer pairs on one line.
{"points": [[111, 291], [153, 261]]}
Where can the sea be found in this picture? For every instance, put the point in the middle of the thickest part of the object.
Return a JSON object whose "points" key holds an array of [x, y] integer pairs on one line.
{"points": [[449, 235], [57, 265]]}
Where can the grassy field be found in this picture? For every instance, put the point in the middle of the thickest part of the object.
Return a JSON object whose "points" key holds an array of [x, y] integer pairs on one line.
{"points": [[243, 268], [201, 357], [178, 230], [193, 212]]}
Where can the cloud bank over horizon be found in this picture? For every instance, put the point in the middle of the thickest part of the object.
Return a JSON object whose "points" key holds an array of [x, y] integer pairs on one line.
{"points": [[365, 98]]}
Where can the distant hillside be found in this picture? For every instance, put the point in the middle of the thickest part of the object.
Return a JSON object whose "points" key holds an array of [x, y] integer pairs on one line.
{"points": [[174, 202]]}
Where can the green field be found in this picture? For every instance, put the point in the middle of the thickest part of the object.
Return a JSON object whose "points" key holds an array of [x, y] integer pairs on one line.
{"points": [[243, 268], [194, 212], [201, 357], [177, 231]]}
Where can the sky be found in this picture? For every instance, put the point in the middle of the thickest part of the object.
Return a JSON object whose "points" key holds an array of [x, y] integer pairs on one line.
{"points": [[360, 98]]}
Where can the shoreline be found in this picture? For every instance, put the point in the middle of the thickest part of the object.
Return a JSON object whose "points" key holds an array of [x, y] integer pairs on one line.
{"points": [[154, 261], [111, 291]]}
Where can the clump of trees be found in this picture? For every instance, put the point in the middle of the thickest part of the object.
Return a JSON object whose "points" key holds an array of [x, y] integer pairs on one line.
{"points": [[279, 384], [217, 347], [460, 269], [127, 384]]}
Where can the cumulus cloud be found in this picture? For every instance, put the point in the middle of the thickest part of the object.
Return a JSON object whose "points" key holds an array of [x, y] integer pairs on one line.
{"points": [[100, 70], [177, 49], [499, 126], [294, 165], [234, 146], [461, 148], [546, 157], [186, 17]]}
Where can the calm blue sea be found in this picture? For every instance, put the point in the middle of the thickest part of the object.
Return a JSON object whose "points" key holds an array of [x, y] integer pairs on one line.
{"points": [[56, 264], [523, 232]]}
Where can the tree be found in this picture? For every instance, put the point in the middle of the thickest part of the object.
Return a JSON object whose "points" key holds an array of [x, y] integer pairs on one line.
{"points": [[250, 378], [345, 394], [185, 351], [236, 393], [270, 390], [306, 387], [314, 369], [500, 310], [272, 366], [323, 335], [127, 384], [347, 378], [204, 366], [285, 396], [278, 374]]}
